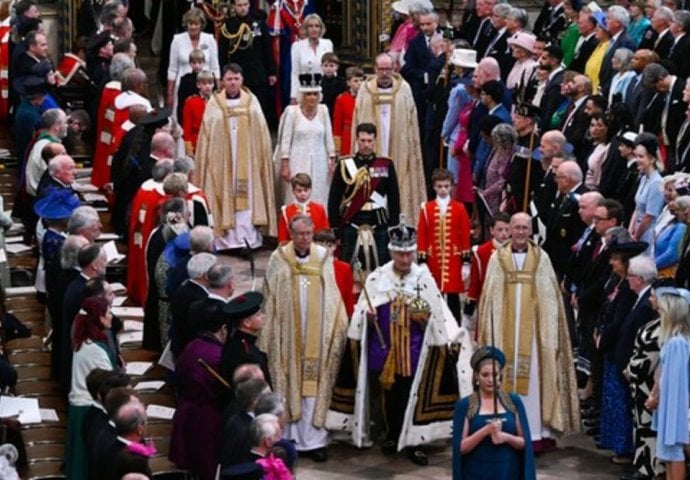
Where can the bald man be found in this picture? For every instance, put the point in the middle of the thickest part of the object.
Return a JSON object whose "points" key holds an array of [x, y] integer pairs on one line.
{"points": [[563, 224], [521, 312]]}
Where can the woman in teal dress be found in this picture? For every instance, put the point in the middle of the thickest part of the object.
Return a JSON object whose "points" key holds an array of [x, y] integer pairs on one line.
{"points": [[670, 397], [90, 352], [491, 438]]}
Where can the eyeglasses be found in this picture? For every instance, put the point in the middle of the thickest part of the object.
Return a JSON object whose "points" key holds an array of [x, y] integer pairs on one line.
{"points": [[600, 219]]}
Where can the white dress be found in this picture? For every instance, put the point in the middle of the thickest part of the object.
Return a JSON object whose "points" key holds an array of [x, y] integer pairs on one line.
{"points": [[308, 144], [306, 60], [180, 48]]}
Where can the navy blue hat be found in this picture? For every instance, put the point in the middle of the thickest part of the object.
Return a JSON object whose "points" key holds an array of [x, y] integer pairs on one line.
{"points": [[212, 318], [56, 204], [629, 249], [487, 352], [243, 306], [31, 85], [156, 118]]}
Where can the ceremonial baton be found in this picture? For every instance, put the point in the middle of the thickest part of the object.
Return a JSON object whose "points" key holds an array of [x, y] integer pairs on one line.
{"points": [[214, 373], [358, 269]]}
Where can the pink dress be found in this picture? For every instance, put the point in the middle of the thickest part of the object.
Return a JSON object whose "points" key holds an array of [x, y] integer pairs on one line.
{"points": [[463, 190]]}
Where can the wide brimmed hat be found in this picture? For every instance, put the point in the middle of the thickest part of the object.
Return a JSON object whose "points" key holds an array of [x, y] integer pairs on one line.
{"points": [[600, 17], [673, 291], [401, 6], [243, 306], [310, 82], [57, 204], [524, 40], [464, 58]]}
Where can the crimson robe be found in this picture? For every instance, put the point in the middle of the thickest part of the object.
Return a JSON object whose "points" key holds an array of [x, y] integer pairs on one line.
{"points": [[343, 113], [109, 120], [315, 210]]}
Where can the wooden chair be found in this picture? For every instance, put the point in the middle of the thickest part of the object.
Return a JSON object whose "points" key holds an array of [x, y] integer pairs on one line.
{"points": [[33, 372], [45, 471], [48, 452], [45, 435], [30, 358], [30, 344]]}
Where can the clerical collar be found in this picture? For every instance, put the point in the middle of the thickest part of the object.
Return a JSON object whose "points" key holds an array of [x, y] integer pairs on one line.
{"points": [[232, 97], [304, 254], [519, 250], [390, 85]]}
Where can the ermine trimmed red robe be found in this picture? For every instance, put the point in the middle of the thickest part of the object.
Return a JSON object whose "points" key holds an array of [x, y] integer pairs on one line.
{"points": [[442, 240]]}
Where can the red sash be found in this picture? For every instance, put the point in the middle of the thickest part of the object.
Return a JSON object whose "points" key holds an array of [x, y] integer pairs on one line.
{"points": [[360, 199]]}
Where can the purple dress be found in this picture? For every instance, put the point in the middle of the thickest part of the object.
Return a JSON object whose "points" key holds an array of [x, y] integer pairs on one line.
{"points": [[195, 443]]}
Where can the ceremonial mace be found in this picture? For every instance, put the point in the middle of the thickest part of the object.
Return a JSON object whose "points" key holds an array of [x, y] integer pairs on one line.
{"points": [[213, 373], [525, 199], [358, 269]]}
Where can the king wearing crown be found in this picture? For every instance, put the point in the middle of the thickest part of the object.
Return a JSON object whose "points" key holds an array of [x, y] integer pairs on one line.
{"points": [[413, 356]]}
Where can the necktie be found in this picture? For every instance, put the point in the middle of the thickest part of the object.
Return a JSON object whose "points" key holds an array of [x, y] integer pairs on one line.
{"points": [[631, 87], [479, 33]]}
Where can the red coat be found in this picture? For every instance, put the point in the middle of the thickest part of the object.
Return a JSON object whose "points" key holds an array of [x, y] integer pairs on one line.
{"points": [[193, 113], [442, 241], [346, 284], [343, 112], [109, 120], [480, 260], [142, 221], [69, 66], [316, 211]]}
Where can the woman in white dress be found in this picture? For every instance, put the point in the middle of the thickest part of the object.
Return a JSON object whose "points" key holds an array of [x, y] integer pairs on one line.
{"points": [[305, 140], [182, 45], [306, 53]]}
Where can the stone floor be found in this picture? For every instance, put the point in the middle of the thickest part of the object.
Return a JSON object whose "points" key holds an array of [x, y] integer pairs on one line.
{"points": [[576, 457]]}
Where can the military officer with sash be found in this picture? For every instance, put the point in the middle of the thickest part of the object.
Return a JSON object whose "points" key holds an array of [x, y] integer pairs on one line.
{"points": [[364, 201]]}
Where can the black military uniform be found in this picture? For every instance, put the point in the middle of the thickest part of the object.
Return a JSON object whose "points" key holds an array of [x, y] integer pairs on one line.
{"points": [[240, 348], [245, 41], [364, 193], [563, 228], [526, 145]]}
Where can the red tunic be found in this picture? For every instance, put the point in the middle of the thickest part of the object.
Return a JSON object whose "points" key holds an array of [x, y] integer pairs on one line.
{"points": [[109, 120], [480, 260], [316, 211], [442, 240], [143, 220], [343, 112], [346, 284], [5, 30], [69, 65], [193, 113]]}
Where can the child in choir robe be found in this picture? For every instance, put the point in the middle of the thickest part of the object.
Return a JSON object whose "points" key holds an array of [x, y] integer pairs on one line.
{"points": [[301, 189], [443, 239], [344, 111]]}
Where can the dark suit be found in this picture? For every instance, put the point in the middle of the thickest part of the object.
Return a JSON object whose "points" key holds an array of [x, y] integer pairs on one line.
{"points": [[606, 72], [498, 48], [648, 39], [240, 349], [551, 100], [417, 58], [197, 309], [182, 330], [550, 22], [152, 331], [680, 56], [101, 447], [663, 45], [484, 38], [236, 447], [683, 148], [125, 461], [583, 54], [95, 421], [627, 188], [563, 228], [675, 115], [633, 96], [641, 314], [576, 125], [71, 303]]}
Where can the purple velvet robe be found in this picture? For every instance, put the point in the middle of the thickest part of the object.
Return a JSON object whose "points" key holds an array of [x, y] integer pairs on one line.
{"points": [[377, 354], [195, 442]]}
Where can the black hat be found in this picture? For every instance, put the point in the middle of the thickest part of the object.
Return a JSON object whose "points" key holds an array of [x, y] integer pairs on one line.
{"points": [[243, 306], [98, 41], [310, 82], [629, 249], [487, 352], [527, 110], [212, 317], [32, 86], [156, 118], [649, 142]]}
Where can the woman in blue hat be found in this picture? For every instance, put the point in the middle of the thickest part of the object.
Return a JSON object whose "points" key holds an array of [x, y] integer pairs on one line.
{"points": [[491, 437]]}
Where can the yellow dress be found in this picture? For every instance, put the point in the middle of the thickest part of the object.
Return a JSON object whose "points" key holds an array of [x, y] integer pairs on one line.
{"points": [[594, 63]]}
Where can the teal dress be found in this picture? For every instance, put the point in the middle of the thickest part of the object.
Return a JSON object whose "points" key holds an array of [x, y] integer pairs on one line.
{"points": [[488, 461]]}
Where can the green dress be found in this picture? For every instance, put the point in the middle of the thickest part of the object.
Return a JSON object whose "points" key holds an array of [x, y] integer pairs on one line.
{"points": [[569, 42]]}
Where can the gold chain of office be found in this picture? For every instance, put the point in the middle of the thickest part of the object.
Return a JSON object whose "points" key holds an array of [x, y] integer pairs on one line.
{"points": [[235, 39]]}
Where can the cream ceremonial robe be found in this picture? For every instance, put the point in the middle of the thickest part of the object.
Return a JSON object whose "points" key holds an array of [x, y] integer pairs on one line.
{"points": [[429, 411], [522, 302], [234, 170], [394, 113], [304, 337]]}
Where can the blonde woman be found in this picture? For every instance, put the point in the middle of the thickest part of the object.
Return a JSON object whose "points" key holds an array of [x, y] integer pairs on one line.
{"points": [[669, 398], [306, 53]]}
